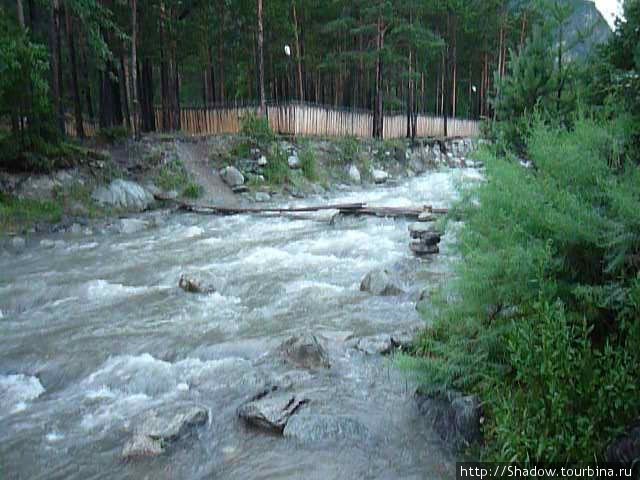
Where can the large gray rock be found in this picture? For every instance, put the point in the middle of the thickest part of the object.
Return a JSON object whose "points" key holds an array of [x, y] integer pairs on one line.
{"points": [[380, 282], [123, 194], [455, 417], [271, 409], [382, 344], [232, 176], [304, 351], [162, 427], [354, 174], [262, 197], [314, 428]]}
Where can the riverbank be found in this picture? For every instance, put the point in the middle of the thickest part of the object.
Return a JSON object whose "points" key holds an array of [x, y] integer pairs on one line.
{"points": [[121, 179]]}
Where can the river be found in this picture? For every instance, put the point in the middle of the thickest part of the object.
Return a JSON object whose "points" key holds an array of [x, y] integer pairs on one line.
{"points": [[95, 332]]}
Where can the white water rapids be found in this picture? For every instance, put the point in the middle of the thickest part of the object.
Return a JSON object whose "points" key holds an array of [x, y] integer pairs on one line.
{"points": [[95, 331]]}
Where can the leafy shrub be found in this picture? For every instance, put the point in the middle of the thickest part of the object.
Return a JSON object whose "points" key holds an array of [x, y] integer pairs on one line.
{"points": [[113, 134], [192, 190], [308, 164], [172, 175], [541, 318], [257, 130], [277, 169], [349, 148]]}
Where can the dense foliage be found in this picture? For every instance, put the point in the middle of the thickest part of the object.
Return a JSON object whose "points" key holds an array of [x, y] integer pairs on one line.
{"points": [[541, 319]]}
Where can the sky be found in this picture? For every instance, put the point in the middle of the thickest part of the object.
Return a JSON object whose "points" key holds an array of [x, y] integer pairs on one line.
{"points": [[609, 7]]}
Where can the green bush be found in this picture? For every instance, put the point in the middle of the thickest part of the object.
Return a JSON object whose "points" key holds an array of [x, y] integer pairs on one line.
{"points": [[172, 175], [277, 169], [192, 190], [308, 164], [257, 130], [113, 134], [541, 318], [349, 148]]}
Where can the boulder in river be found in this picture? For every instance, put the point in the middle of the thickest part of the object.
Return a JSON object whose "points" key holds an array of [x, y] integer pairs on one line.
{"points": [[383, 343], [18, 244], [380, 282], [271, 409], [455, 417], [232, 176], [160, 428], [123, 194], [379, 176], [193, 285], [305, 351], [313, 428], [131, 225]]}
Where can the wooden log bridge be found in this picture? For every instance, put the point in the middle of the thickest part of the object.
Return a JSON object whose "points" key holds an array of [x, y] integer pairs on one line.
{"points": [[342, 208]]}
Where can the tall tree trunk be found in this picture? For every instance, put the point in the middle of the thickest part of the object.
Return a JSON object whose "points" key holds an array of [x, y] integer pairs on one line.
{"points": [[86, 81], [134, 68], [124, 89], [148, 112], [221, 10], [20, 14], [377, 111], [263, 105], [77, 105], [56, 73], [298, 56]]}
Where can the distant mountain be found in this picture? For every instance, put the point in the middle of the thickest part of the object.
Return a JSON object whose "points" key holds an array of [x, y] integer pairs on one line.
{"points": [[585, 28]]}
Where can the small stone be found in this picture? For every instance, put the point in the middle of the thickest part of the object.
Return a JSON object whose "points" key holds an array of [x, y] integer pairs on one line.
{"points": [[262, 197], [305, 351], [131, 225], [293, 161], [18, 243], [354, 174], [75, 229], [270, 409], [262, 161], [142, 446], [379, 176], [47, 243], [426, 217], [192, 285], [420, 248]]}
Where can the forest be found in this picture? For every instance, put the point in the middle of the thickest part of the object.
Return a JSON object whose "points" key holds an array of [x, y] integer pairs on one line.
{"points": [[111, 62]]}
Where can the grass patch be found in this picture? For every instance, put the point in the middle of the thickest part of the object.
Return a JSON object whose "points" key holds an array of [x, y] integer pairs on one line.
{"points": [[113, 134], [20, 213], [172, 175], [78, 196], [192, 190], [308, 164]]}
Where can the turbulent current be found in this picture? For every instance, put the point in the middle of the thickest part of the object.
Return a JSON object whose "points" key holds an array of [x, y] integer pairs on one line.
{"points": [[94, 332]]}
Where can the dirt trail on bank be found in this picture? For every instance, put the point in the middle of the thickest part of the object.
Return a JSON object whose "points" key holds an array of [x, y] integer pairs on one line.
{"points": [[195, 157]]}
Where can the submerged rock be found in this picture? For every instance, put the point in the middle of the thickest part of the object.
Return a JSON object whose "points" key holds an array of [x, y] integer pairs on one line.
{"points": [[305, 351], [271, 409], [18, 244], [131, 225], [160, 428], [314, 428], [193, 285], [123, 194], [379, 282], [455, 417], [383, 343]]}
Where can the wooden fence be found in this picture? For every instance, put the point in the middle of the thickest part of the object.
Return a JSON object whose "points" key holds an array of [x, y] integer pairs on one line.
{"points": [[305, 119], [315, 120]]}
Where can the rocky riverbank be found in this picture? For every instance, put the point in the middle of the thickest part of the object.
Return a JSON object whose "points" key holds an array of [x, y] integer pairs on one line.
{"points": [[122, 180]]}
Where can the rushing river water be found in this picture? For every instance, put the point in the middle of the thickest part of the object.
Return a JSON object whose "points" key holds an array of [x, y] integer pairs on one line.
{"points": [[95, 331]]}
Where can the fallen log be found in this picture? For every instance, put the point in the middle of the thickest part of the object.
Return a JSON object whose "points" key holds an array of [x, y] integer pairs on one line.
{"points": [[343, 208]]}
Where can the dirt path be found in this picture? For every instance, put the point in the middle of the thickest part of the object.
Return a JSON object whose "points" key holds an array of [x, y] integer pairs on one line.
{"points": [[195, 157]]}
